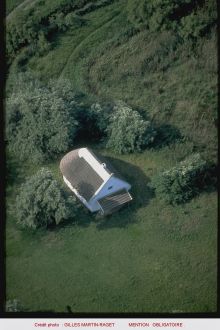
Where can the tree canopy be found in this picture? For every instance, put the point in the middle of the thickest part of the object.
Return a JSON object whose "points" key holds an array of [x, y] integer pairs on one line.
{"points": [[40, 120]]}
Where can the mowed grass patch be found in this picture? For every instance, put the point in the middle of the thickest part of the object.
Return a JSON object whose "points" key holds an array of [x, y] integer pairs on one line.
{"points": [[147, 257], [12, 4]]}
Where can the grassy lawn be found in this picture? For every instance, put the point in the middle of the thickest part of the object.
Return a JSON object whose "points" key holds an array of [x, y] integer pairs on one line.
{"points": [[148, 257]]}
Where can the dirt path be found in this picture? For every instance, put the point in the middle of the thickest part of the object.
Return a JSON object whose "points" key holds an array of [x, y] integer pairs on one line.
{"points": [[84, 41], [25, 2]]}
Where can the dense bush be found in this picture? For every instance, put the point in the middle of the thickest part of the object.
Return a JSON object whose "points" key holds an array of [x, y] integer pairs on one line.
{"points": [[43, 45], [42, 202], [20, 32], [40, 122], [73, 20], [188, 18], [128, 131], [93, 120], [166, 135], [199, 21], [182, 182], [100, 115], [61, 22]]}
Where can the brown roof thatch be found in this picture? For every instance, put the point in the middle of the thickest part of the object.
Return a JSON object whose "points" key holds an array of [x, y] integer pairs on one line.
{"points": [[80, 174], [109, 167]]}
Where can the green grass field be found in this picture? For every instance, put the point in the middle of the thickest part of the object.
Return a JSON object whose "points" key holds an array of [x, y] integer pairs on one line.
{"points": [[148, 257]]}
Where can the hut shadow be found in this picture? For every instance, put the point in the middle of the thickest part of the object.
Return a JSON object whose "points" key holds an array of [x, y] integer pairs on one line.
{"points": [[141, 192]]}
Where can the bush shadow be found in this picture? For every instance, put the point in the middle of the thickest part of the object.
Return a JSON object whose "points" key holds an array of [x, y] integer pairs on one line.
{"points": [[166, 135], [13, 171], [140, 191], [83, 219]]}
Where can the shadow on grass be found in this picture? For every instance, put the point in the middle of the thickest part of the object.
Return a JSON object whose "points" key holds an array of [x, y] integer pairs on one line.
{"points": [[140, 191], [83, 219], [166, 135]]}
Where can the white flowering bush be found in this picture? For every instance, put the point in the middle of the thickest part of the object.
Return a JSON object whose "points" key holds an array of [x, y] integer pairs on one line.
{"points": [[42, 202], [128, 131], [40, 120], [182, 182]]}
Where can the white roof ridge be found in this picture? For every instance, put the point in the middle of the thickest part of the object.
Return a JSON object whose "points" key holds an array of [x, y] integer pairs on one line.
{"points": [[94, 163]]}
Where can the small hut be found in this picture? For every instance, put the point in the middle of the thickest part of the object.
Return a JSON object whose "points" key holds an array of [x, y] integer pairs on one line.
{"points": [[94, 181]]}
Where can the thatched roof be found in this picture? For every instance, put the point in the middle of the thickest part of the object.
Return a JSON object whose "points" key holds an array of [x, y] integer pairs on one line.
{"points": [[80, 174]]}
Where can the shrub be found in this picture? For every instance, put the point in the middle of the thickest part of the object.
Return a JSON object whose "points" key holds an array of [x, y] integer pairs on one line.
{"points": [[151, 14], [73, 20], [199, 21], [62, 22], [40, 122], [100, 114], [182, 182], [128, 131], [43, 46], [189, 19], [93, 120], [58, 21], [22, 58], [166, 135], [42, 202], [13, 306]]}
